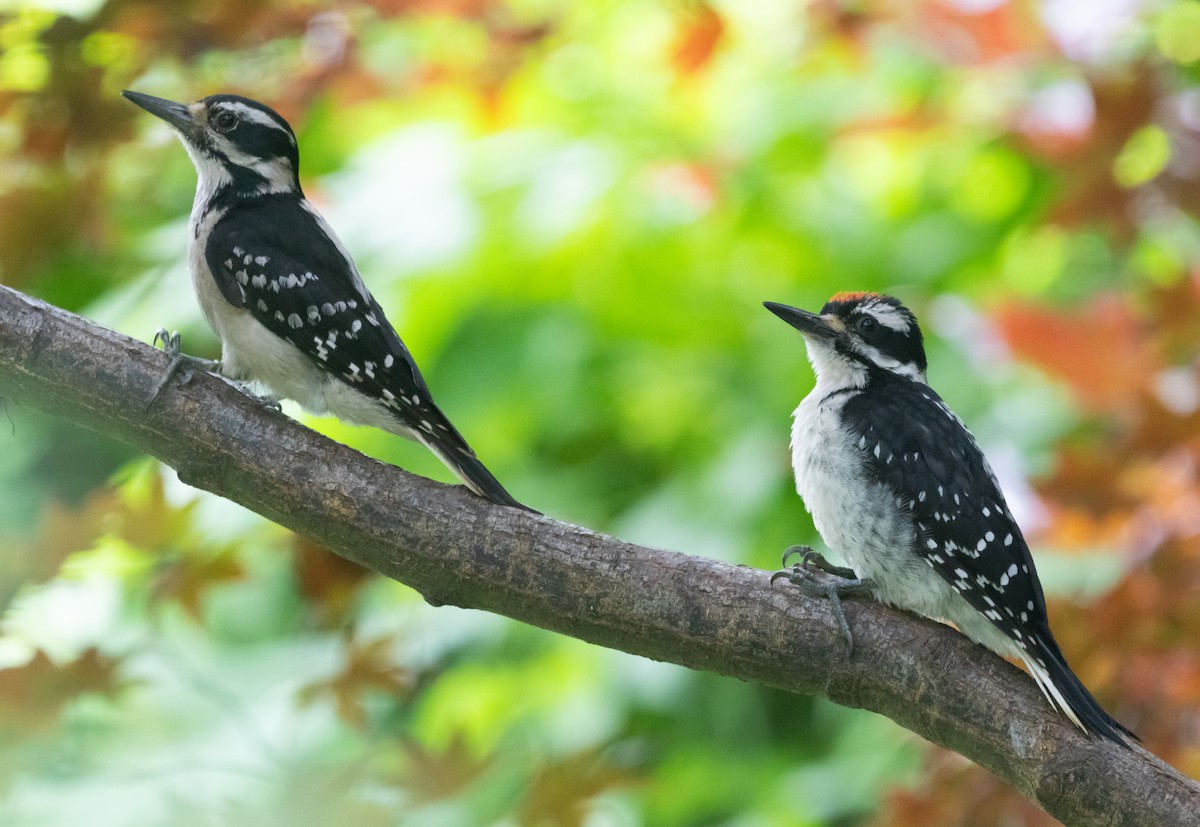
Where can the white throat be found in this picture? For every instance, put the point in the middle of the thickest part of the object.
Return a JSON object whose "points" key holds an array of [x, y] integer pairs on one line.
{"points": [[210, 177], [835, 371]]}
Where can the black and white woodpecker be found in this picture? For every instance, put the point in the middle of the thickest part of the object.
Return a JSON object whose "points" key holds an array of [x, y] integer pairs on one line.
{"points": [[279, 289], [897, 485]]}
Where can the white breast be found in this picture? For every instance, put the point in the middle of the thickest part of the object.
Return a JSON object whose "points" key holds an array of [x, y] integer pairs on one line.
{"points": [[858, 518]]}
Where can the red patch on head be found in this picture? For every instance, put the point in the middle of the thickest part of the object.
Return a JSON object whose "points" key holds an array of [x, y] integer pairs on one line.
{"points": [[853, 296]]}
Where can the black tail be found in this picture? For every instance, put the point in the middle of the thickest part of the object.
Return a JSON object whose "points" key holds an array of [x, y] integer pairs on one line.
{"points": [[1071, 691], [460, 459]]}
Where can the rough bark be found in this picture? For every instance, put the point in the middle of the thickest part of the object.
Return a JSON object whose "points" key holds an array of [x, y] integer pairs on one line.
{"points": [[455, 548]]}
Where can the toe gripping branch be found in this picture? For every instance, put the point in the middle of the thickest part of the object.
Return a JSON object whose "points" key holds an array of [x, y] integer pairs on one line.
{"points": [[181, 363], [818, 577]]}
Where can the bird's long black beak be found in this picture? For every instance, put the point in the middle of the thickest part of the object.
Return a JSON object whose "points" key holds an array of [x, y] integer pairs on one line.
{"points": [[176, 114], [802, 320]]}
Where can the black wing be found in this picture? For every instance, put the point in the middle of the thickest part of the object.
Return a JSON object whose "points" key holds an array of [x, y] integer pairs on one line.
{"points": [[913, 443], [290, 274], [276, 258], [918, 447]]}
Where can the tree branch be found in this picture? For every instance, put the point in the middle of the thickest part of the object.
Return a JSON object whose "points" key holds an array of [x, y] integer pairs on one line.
{"points": [[455, 548]]}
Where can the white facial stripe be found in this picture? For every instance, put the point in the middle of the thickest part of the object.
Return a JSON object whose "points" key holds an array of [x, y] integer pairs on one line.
{"points": [[894, 365], [253, 115], [889, 316], [278, 172]]}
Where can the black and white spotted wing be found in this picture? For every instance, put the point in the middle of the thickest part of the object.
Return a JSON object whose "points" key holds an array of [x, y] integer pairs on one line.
{"points": [[274, 257], [916, 446]]}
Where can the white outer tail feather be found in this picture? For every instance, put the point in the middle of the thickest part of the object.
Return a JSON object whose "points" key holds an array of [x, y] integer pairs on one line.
{"points": [[1042, 677]]}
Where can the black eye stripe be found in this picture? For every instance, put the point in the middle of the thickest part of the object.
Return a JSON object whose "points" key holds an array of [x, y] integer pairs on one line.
{"points": [[256, 139], [889, 340], [895, 347]]}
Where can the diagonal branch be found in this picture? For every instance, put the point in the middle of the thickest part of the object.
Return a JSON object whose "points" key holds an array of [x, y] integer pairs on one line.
{"points": [[455, 548]]}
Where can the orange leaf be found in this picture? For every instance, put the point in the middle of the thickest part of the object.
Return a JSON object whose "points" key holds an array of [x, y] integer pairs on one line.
{"points": [[328, 583], [188, 577], [697, 40], [1100, 351], [431, 776], [66, 530], [559, 796], [31, 696], [148, 522], [370, 667], [1002, 32]]}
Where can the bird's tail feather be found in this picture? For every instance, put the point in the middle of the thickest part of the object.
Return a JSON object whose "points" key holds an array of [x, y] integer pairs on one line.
{"points": [[1068, 694], [467, 467]]}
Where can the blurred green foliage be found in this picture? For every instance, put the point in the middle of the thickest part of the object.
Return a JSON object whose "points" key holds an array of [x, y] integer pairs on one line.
{"points": [[572, 213]]}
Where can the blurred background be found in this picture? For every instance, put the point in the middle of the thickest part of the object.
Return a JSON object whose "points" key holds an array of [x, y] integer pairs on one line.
{"points": [[572, 213]]}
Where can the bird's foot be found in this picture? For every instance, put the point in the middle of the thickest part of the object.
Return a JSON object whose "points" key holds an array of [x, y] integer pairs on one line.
{"points": [[181, 363], [818, 577], [814, 560]]}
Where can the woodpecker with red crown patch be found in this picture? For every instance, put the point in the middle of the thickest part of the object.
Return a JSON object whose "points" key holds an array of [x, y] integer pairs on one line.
{"points": [[899, 487]]}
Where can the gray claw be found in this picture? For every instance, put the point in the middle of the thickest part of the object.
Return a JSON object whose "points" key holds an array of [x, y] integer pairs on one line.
{"points": [[169, 339], [815, 561], [181, 363], [818, 577], [792, 551]]}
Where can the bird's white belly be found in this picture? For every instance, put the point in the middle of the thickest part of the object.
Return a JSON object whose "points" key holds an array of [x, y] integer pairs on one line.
{"points": [[859, 518]]}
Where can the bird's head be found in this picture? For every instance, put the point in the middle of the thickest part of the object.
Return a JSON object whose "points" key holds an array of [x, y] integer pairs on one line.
{"points": [[234, 142], [855, 332]]}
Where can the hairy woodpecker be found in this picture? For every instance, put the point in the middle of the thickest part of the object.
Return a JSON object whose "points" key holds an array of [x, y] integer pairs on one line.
{"points": [[282, 293], [897, 484]]}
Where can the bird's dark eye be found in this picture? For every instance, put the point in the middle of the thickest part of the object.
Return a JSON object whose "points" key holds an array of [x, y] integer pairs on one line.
{"points": [[865, 324], [223, 121]]}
